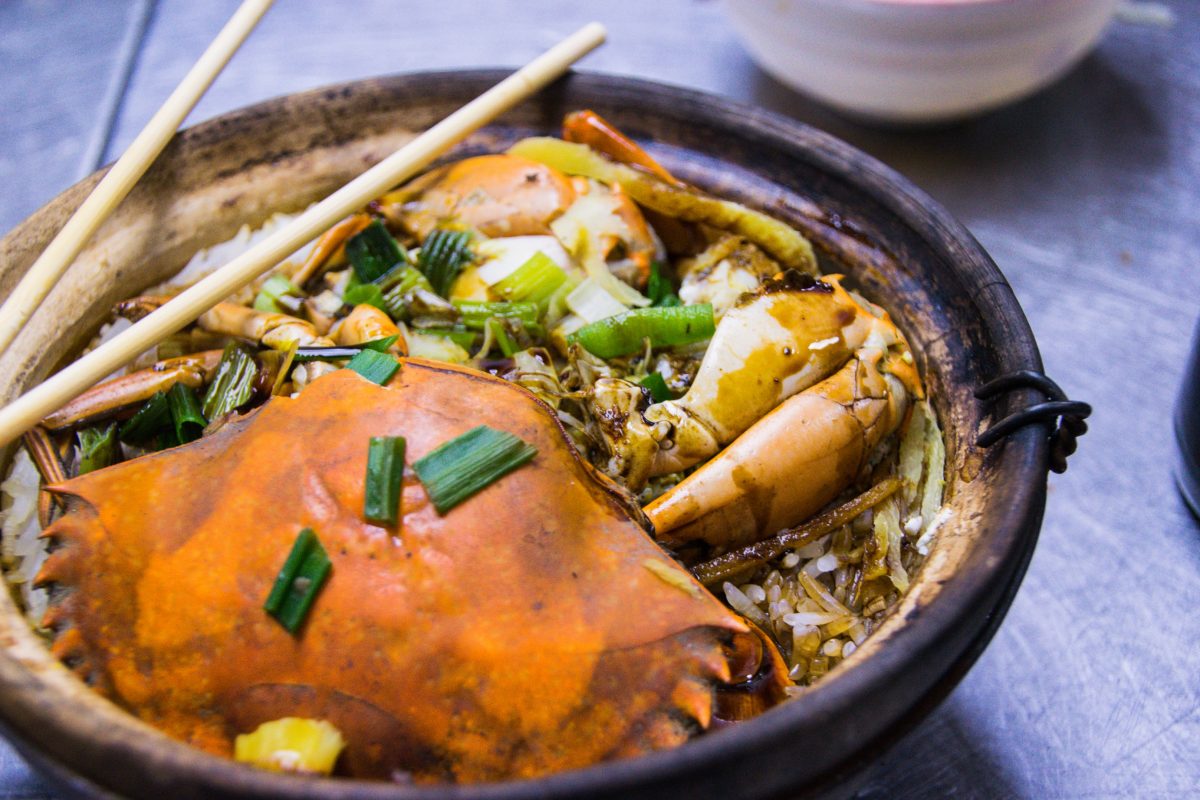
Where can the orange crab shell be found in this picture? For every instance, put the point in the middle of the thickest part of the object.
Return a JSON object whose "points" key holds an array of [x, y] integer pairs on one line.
{"points": [[528, 631]]}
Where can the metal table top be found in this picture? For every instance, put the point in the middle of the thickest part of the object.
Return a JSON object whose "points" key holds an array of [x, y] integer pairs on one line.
{"points": [[1086, 195]]}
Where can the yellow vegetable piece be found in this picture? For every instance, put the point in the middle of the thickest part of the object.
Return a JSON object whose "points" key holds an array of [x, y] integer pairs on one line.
{"points": [[780, 240], [291, 744]]}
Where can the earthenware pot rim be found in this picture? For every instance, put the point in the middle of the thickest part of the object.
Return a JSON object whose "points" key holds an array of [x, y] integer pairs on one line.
{"points": [[1021, 463]]}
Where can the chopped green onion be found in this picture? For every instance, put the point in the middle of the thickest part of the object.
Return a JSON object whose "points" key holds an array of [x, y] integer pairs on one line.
{"points": [[460, 336], [186, 415], [592, 302], [306, 354], [404, 277], [233, 384], [502, 337], [274, 289], [98, 448], [626, 333], [533, 281], [365, 293], [475, 313], [443, 255], [380, 345], [659, 289], [464, 465], [375, 367], [373, 252], [385, 472], [150, 420], [299, 581], [657, 387]]}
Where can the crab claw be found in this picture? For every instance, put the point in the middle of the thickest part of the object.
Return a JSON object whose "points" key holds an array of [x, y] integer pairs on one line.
{"points": [[788, 464]]}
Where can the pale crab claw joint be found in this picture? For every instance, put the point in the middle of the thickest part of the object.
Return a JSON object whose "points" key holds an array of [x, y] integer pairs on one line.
{"points": [[790, 463], [277, 331]]}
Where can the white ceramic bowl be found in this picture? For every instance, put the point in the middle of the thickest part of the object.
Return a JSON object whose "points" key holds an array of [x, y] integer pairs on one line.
{"points": [[918, 61]]}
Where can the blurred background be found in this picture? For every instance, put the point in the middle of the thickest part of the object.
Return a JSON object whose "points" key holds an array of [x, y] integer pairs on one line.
{"points": [[1084, 193]]}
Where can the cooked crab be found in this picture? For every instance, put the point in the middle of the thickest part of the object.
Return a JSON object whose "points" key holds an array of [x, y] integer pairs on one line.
{"points": [[532, 629]]}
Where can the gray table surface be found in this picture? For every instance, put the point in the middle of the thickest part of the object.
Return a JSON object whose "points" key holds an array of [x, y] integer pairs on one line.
{"points": [[1086, 195]]}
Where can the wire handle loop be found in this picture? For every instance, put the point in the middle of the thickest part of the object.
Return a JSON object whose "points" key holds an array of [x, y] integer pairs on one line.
{"points": [[1065, 417]]}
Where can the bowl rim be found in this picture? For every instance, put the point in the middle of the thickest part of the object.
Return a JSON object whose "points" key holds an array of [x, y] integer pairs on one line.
{"points": [[1021, 461]]}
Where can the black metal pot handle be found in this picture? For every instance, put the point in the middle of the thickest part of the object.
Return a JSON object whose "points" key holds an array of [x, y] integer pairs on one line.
{"points": [[1065, 417]]}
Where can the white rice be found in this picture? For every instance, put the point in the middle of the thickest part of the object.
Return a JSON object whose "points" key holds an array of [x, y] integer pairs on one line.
{"points": [[22, 551]]}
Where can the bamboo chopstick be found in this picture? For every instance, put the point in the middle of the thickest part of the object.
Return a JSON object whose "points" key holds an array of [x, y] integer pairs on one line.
{"points": [[26, 410], [113, 187]]}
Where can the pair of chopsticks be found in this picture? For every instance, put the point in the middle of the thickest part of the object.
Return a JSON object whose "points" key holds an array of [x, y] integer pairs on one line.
{"points": [[25, 412]]}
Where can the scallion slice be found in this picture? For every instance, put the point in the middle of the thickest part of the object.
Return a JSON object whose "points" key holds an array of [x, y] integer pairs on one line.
{"points": [[186, 414], [404, 277], [151, 419], [659, 288], [233, 384], [297, 585], [468, 463], [443, 255], [306, 354], [474, 314], [373, 252], [365, 293], [278, 295], [501, 336], [657, 386], [663, 326], [460, 336], [98, 447], [385, 473], [534, 281], [375, 367]]}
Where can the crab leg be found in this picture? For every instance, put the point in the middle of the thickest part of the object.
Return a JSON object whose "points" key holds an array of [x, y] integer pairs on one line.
{"points": [[45, 457], [588, 127], [112, 396], [788, 464], [327, 245], [276, 331]]}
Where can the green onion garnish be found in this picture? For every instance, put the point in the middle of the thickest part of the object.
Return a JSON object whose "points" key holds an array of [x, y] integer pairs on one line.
{"points": [[373, 252], [464, 465], [404, 277], [299, 581], [460, 336], [306, 354], [233, 384], [534, 281], [443, 255], [502, 337], [380, 345], [663, 326], [385, 472], [186, 415], [151, 419], [657, 386], [367, 293], [475, 313], [375, 367], [659, 289], [98, 447], [273, 290]]}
